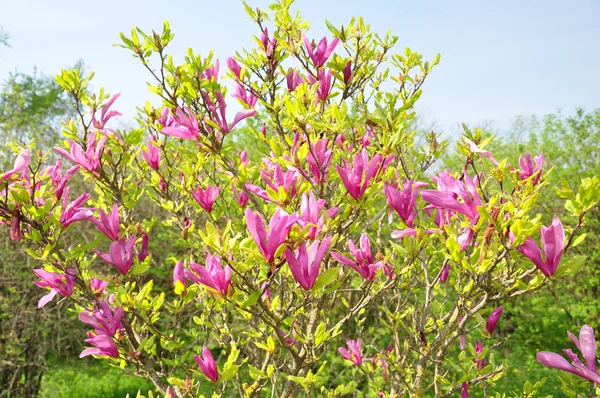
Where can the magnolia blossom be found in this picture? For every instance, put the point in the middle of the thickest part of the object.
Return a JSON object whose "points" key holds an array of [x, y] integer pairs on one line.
{"points": [[240, 196], [354, 351], [279, 226], [207, 364], [184, 125], [245, 97], [20, 166], [531, 167], [179, 274], [356, 177], [553, 241], [62, 284], [206, 197], [587, 346], [348, 74], [108, 224], [293, 80], [310, 214], [218, 114], [363, 261], [405, 200], [120, 254], [90, 159], [493, 319], [321, 52], [213, 276], [98, 286], [72, 211], [234, 67], [305, 263], [324, 79], [319, 159], [152, 155], [107, 325]]}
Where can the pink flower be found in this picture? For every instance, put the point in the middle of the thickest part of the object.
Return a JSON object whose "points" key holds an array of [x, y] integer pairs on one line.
{"points": [[90, 159], [241, 197], [478, 350], [213, 276], [293, 79], [108, 224], [234, 67], [321, 52], [319, 158], [363, 259], [207, 364], [310, 214], [245, 97], [348, 75], [448, 192], [62, 284], [587, 345], [404, 201], [98, 286], [306, 263], [464, 390], [493, 319], [445, 273], [72, 211], [184, 125], [21, 165], [356, 177], [206, 197], [324, 84], [529, 169], [212, 72], [103, 319], [179, 273], [106, 115], [120, 254], [218, 114], [152, 155], [279, 227], [354, 351], [104, 346], [268, 44], [553, 241]]}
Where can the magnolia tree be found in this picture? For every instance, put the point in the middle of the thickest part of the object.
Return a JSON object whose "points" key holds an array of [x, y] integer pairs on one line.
{"points": [[326, 259]]}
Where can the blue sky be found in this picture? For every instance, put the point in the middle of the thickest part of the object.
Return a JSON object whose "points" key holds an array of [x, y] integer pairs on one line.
{"points": [[499, 59]]}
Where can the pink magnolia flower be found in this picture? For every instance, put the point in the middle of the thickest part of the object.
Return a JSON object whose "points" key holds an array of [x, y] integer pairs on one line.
{"points": [[245, 97], [531, 167], [240, 196], [449, 191], [348, 75], [218, 113], [90, 159], [98, 286], [104, 346], [143, 253], [179, 273], [493, 319], [321, 52], [108, 224], [324, 79], [234, 67], [120, 254], [586, 344], [356, 177], [211, 72], [72, 211], [213, 276], [279, 227], [363, 259], [445, 273], [478, 350], [103, 319], [184, 125], [553, 241], [206, 197], [319, 159], [62, 284], [310, 214], [464, 390], [268, 44], [354, 351], [306, 263], [207, 364], [152, 155], [15, 226], [21, 165], [293, 80], [405, 200], [106, 115]]}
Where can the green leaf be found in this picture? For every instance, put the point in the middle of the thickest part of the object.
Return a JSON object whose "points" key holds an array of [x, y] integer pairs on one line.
{"points": [[327, 278]]}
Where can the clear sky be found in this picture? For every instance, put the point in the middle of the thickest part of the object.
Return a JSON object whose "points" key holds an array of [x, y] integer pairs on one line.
{"points": [[499, 59]]}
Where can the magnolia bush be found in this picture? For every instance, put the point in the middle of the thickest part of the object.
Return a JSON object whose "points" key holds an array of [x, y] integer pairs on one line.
{"points": [[315, 254]]}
